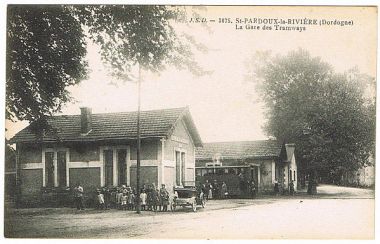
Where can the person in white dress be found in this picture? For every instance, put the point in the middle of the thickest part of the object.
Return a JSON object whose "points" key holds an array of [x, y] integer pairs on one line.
{"points": [[143, 197]]}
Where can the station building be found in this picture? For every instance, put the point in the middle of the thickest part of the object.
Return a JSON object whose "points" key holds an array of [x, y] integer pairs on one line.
{"points": [[99, 150]]}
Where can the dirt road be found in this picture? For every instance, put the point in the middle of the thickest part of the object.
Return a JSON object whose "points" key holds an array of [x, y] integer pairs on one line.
{"points": [[351, 216]]}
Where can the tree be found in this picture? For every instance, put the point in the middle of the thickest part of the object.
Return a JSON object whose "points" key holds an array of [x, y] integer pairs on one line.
{"points": [[45, 54], [326, 114], [46, 48]]}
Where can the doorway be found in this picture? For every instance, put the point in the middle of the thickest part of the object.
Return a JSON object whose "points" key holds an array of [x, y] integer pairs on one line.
{"points": [[254, 174]]}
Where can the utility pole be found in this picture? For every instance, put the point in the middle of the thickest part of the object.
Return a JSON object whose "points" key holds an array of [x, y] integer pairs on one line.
{"points": [[18, 189], [138, 207]]}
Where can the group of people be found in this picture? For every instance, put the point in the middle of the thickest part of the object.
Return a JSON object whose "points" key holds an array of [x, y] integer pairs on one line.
{"points": [[154, 199], [214, 190], [126, 198], [277, 187], [248, 188]]}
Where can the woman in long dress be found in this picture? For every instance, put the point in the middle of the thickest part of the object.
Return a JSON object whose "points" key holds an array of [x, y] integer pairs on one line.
{"points": [[223, 190]]}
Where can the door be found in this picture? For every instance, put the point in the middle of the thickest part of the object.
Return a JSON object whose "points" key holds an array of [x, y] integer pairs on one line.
{"points": [[49, 169], [122, 166], [61, 168], [108, 160]]}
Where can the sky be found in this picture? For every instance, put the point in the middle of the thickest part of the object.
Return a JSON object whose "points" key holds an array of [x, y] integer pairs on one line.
{"points": [[224, 105]]}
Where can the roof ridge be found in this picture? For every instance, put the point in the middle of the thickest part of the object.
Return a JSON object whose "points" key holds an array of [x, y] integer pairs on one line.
{"points": [[157, 123], [123, 112], [244, 141]]}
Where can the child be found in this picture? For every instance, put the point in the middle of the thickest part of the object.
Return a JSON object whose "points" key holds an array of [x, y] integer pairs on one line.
{"points": [[143, 198], [131, 200], [124, 201], [125, 189], [100, 198]]}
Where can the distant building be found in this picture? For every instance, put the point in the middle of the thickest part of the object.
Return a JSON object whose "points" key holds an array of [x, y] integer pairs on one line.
{"points": [[261, 161], [100, 150], [10, 173]]}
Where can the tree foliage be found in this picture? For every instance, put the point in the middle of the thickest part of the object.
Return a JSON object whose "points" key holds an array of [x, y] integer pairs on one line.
{"points": [[138, 35], [326, 114], [47, 46], [45, 54]]}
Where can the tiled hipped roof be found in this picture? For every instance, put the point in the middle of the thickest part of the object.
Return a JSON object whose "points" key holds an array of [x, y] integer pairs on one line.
{"points": [[108, 126], [240, 149]]}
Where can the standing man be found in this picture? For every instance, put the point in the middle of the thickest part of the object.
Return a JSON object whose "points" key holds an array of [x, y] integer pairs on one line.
{"points": [[253, 189], [207, 189], [276, 187], [78, 197], [242, 184], [155, 199], [107, 197], [164, 195], [215, 189]]}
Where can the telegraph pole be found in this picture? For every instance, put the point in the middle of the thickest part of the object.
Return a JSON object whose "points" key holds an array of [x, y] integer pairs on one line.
{"points": [[138, 207]]}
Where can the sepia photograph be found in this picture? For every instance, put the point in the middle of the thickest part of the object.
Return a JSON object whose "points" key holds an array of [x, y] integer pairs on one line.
{"points": [[205, 122]]}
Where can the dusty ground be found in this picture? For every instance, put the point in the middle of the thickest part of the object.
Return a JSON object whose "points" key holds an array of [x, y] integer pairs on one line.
{"points": [[337, 213]]}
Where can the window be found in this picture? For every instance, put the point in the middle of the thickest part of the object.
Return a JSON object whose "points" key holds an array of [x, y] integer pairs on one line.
{"points": [[122, 165], [61, 165], [178, 168], [213, 164], [49, 168], [108, 159], [183, 167], [276, 171]]}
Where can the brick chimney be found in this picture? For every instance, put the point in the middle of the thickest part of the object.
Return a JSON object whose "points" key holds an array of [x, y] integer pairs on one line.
{"points": [[85, 120]]}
